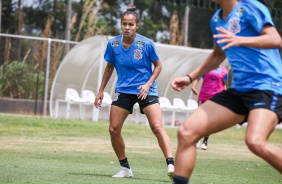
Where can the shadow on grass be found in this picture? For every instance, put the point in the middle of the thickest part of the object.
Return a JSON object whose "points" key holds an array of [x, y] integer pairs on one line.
{"points": [[87, 174], [147, 179], [110, 176]]}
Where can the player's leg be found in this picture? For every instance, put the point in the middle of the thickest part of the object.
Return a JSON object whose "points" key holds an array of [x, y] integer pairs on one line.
{"points": [[117, 118], [121, 107], [153, 113], [205, 142], [261, 123], [207, 119]]}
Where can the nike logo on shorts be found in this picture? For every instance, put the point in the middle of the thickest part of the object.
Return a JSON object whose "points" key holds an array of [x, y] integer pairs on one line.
{"points": [[259, 104]]}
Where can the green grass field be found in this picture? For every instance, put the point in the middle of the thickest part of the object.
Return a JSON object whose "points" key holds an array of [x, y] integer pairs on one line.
{"points": [[45, 150]]}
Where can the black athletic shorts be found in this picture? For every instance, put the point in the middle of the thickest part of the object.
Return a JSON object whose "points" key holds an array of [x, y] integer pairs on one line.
{"points": [[244, 102], [127, 101]]}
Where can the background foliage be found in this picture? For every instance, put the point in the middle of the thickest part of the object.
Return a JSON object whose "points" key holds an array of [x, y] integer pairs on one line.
{"points": [[20, 80], [47, 19]]}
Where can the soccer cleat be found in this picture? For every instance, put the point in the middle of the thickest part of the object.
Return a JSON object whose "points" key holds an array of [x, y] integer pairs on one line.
{"points": [[198, 144], [123, 173], [205, 145], [170, 171]]}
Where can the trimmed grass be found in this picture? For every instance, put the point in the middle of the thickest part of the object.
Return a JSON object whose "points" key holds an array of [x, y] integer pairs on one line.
{"points": [[45, 150]]}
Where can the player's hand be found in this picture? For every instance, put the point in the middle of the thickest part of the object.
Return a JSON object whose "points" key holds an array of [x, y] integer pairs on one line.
{"points": [[179, 83], [144, 89], [227, 37], [98, 100]]}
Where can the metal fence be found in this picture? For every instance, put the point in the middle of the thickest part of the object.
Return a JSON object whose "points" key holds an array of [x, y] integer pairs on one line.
{"points": [[35, 57]]}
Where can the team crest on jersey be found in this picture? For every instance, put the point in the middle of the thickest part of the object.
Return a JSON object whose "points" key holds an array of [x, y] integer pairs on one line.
{"points": [[234, 26], [138, 54], [115, 43], [140, 43], [240, 11]]}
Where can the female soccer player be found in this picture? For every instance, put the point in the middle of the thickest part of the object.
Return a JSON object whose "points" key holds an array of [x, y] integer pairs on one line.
{"points": [[244, 33], [132, 55]]}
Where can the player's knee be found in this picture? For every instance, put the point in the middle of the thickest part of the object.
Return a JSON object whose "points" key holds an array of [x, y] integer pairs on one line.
{"points": [[114, 131], [186, 135], [156, 129], [255, 144]]}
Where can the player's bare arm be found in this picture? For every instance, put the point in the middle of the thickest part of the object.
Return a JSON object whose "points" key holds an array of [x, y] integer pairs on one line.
{"points": [[212, 62], [107, 75]]}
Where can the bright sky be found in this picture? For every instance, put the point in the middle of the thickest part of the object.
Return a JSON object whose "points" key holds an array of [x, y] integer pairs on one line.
{"points": [[26, 2], [33, 3]]}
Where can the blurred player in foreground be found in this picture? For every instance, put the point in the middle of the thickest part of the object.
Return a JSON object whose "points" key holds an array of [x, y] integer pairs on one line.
{"points": [[244, 32]]}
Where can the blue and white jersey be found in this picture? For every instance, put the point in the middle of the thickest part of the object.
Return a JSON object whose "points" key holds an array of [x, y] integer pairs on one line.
{"points": [[252, 68], [133, 65]]}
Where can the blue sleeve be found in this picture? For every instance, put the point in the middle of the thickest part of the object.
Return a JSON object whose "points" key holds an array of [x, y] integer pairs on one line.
{"points": [[108, 56], [258, 15], [152, 53], [212, 25]]}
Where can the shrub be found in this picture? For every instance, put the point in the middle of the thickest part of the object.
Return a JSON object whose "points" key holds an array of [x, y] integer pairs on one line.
{"points": [[21, 80]]}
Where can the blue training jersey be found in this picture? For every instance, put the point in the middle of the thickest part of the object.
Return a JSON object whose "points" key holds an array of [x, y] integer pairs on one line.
{"points": [[252, 68], [133, 65]]}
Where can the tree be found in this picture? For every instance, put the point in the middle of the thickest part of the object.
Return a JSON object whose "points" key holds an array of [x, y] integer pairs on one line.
{"points": [[8, 16], [68, 26], [19, 27]]}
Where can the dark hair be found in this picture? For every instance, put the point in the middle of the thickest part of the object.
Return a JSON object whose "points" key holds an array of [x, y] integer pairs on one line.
{"points": [[131, 10], [265, 2]]}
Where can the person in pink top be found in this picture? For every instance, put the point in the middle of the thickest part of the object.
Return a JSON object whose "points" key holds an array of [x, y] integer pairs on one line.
{"points": [[213, 83]]}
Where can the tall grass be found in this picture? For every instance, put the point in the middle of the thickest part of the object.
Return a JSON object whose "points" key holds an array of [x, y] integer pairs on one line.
{"points": [[45, 150]]}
